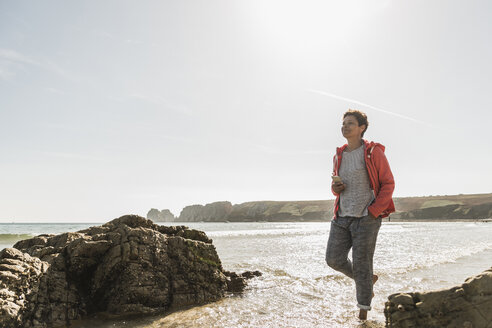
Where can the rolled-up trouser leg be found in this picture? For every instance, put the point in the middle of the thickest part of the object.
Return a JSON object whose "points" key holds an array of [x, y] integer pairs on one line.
{"points": [[339, 244], [364, 233]]}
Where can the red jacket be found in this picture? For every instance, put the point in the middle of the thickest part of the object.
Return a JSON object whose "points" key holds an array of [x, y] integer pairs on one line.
{"points": [[380, 177]]}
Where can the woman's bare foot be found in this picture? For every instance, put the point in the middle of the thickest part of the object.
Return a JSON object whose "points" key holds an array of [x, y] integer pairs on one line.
{"points": [[374, 279], [363, 313]]}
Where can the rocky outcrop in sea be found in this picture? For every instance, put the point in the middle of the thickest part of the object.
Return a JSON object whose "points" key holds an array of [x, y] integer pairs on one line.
{"points": [[466, 306], [128, 266], [160, 216]]}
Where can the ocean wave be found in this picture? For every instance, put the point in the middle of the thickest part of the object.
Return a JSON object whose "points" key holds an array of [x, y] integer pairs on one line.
{"points": [[12, 237], [266, 232], [427, 262]]}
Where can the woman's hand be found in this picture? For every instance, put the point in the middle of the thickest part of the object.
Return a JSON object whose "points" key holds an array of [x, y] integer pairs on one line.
{"points": [[338, 187], [372, 215]]}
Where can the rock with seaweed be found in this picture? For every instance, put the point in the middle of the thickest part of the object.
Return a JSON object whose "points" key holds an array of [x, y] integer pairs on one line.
{"points": [[128, 266], [467, 305]]}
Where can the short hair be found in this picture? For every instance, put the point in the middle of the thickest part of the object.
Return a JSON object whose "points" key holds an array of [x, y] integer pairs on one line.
{"points": [[360, 116]]}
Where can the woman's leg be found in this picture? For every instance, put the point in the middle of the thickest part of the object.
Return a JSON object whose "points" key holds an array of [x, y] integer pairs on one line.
{"points": [[339, 244], [364, 236]]}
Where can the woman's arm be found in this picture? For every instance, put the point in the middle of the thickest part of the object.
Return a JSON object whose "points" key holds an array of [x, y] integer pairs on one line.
{"points": [[386, 183]]}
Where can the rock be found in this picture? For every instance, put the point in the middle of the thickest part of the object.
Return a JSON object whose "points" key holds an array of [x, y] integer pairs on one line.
{"points": [[160, 216], [467, 305], [403, 299], [128, 266], [251, 274], [19, 280], [236, 283]]}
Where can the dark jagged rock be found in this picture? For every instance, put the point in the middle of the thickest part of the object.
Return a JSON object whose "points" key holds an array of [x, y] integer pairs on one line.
{"points": [[128, 266], [236, 283], [251, 274], [468, 305]]}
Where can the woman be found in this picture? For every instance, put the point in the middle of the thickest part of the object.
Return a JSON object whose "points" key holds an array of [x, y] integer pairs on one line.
{"points": [[363, 184]]}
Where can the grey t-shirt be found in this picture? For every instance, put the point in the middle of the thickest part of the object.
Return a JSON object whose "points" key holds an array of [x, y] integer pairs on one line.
{"points": [[357, 195]]}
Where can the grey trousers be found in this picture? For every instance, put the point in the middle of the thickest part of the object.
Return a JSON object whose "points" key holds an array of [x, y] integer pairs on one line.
{"points": [[360, 234]]}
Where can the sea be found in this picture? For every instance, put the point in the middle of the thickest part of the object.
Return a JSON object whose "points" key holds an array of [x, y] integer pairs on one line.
{"points": [[297, 288]]}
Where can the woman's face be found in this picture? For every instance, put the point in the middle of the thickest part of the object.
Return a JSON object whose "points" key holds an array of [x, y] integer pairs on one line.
{"points": [[351, 128]]}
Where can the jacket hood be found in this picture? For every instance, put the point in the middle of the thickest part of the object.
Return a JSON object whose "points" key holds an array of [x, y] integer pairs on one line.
{"points": [[369, 145]]}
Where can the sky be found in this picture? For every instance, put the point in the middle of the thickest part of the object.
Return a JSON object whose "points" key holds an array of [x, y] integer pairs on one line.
{"points": [[110, 108]]}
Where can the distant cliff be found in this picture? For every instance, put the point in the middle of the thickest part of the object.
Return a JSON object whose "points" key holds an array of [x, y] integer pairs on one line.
{"points": [[452, 207], [315, 210], [447, 212], [218, 211], [448, 207]]}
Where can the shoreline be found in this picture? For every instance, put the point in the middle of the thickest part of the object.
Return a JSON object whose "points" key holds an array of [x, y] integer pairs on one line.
{"points": [[252, 221], [328, 220]]}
